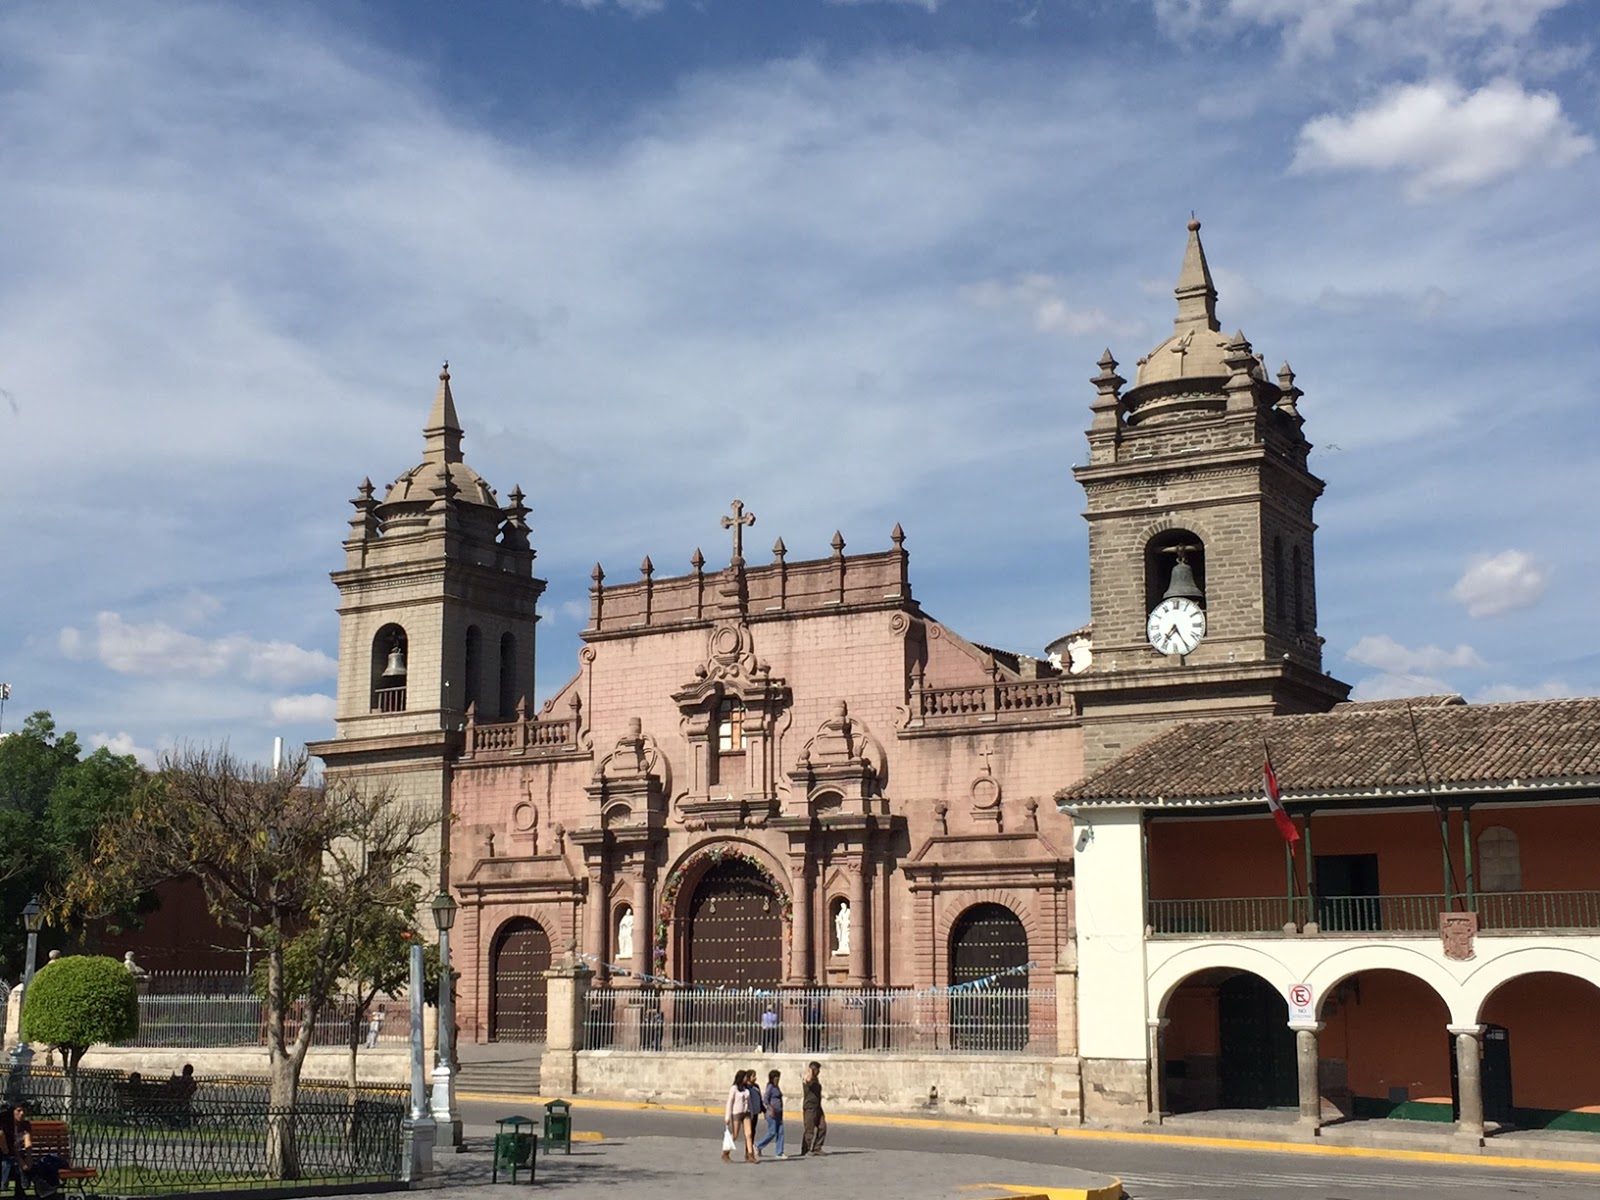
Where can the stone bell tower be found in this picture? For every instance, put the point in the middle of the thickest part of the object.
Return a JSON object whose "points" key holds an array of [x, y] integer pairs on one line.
{"points": [[1202, 571], [436, 617]]}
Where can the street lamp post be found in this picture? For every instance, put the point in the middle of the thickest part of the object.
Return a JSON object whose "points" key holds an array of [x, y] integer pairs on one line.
{"points": [[417, 1130], [445, 1115], [32, 919]]}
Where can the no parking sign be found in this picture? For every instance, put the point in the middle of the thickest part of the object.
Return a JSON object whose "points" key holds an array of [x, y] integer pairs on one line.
{"points": [[1302, 1005]]}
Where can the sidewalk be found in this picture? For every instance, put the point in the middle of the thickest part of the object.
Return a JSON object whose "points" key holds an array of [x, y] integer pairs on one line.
{"points": [[670, 1168]]}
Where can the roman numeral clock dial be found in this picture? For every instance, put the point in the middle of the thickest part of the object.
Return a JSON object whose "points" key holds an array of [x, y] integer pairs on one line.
{"points": [[1176, 626]]}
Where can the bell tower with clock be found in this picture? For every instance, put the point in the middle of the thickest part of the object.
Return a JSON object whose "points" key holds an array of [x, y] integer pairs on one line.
{"points": [[1202, 582]]}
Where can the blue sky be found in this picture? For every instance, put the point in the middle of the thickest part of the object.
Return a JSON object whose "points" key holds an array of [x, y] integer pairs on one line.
{"points": [[851, 262]]}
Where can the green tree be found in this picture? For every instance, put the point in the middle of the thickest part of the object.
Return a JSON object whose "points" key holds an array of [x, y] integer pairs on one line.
{"points": [[77, 1002], [52, 801], [320, 876]]}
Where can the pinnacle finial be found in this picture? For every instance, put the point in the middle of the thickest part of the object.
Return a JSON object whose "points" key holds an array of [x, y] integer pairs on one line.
{"points": [[697, 560], [1197, 296], [837, 543], [597, 575], [897, 536], [779, 550], [647, 568], [442, 434]]}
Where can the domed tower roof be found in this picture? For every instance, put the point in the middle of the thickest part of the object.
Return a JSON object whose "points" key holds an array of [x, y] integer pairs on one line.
{"points": [[441, 473], [1192, 362]]}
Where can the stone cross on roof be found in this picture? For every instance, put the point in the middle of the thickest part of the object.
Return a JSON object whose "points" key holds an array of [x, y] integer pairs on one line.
{"points": [[737, 522]]}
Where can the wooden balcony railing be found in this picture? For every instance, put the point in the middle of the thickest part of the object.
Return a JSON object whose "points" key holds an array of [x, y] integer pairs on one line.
{"points": [[1417, 914], [389, 699]]}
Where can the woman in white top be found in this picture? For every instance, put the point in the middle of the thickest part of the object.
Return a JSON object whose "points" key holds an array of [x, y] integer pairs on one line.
{"points": [[736, 1119]]}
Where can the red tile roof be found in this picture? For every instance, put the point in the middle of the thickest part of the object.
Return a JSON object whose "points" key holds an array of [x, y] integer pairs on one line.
{"points": [[1360, 750]]}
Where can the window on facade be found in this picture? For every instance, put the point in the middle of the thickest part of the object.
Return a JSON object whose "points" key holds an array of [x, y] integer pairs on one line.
{"points": [[1499, 861], [730, 726]]}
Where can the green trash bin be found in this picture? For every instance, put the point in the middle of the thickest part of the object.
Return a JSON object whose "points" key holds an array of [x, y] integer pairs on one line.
{"points": [[557, 1126], [516, 1148]]}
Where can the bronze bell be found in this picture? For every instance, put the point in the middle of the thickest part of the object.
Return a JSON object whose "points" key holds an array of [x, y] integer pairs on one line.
{"points": [[397, 662], [1182, 582]]}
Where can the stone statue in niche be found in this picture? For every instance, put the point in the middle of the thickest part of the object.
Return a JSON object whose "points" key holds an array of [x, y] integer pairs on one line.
{"points": [[841, 928], [625, 935]]}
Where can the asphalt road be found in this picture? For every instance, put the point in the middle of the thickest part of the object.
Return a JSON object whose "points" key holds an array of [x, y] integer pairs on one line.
{"points": [[1149, 1171]]}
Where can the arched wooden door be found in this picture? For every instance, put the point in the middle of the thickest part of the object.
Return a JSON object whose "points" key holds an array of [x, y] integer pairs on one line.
{"points": [[735, 934], [988, 939], [517, 1002]]}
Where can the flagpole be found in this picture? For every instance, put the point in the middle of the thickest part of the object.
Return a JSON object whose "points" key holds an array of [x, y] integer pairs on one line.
{"points": [[1288, 853]]}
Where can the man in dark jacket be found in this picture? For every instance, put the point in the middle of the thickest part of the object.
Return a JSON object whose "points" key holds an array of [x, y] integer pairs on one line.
{"points": [[816, 1124]]}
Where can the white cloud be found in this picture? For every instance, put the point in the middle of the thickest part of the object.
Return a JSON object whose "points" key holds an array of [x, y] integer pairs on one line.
{"points": [[1392, 28], [925, 5], [1501, 583], [123, 743], [1503, 693], [156, 648], [638, 8], [294, 710], [1392, 658], [1395, 687], [1441, 139], [1040, 296]]}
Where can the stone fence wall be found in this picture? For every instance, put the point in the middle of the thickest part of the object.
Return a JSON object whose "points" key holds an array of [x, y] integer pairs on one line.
{"points": [[1003, 1086]]}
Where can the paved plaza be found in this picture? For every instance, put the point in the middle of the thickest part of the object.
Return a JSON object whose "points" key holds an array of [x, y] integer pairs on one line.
{"points": [[667, 1168]]}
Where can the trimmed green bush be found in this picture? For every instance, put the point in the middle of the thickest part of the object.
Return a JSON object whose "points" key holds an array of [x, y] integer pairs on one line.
{"points": [[80, 1001]]}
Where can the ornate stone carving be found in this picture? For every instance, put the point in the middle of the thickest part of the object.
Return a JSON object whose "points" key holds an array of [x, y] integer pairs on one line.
{"points": [[842, 766], [1456, 931]]}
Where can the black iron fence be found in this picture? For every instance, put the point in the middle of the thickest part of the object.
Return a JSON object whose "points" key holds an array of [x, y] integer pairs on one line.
{"points": [[995, 1019], [154, 1137], [221, 1008]]}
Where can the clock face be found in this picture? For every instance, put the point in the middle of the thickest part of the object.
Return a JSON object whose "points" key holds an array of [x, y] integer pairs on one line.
{"points": [[1176, 626]]}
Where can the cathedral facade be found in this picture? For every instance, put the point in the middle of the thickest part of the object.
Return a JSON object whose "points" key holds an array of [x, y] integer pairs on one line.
{"points": [[787, 772]]}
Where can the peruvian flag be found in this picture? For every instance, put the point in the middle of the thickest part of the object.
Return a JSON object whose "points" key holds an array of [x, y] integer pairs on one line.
{"points": [[1285, 822]]}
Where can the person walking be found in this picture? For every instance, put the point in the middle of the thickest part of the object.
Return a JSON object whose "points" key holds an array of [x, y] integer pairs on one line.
{"points": [[753, 1089], [734, 1117], [814, 1123], [772, 1104]]}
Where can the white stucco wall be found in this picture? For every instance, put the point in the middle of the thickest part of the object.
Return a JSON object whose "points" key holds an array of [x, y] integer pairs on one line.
{"points": [[1111, 944]]}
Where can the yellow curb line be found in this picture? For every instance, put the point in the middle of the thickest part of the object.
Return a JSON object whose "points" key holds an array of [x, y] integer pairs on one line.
{"points": [[1111, 1191], [1110, 1135]]}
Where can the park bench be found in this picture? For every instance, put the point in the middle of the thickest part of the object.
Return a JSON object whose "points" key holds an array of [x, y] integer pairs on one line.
{"points": [[53, 1137], [157, 1099]]}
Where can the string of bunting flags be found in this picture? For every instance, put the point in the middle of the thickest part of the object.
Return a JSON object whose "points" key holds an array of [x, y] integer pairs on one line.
{"points": [[971, 985]]}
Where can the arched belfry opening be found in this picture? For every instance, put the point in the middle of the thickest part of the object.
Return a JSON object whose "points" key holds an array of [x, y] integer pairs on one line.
{"points": [[1174, 565], [508, 676], [389, 647], [474, 667]]}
